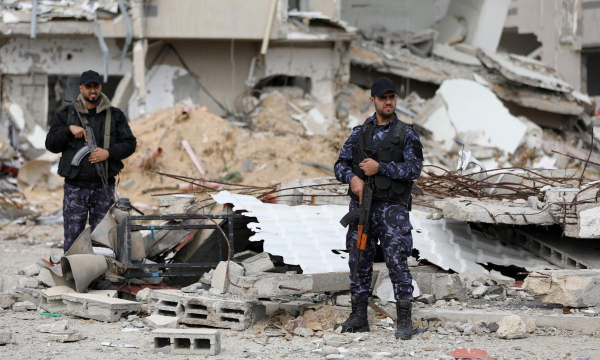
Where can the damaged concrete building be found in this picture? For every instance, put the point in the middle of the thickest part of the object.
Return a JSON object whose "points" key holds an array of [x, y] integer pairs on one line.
{"points": [[238, 235], [152, 60]]}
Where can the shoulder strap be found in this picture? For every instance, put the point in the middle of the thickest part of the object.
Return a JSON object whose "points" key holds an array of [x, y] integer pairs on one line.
{"points": [[107, 124], [399, 135], [367, 135]]}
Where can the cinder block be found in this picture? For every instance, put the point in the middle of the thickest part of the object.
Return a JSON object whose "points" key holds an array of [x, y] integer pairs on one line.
{"points": [[198, 310], [98, 307], [187, 341], [167, 302], [227, 314], [258, 263]]}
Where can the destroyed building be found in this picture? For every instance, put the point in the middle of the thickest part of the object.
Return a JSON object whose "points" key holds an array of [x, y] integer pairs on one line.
{"points": [[153, 60], [232, 223]]}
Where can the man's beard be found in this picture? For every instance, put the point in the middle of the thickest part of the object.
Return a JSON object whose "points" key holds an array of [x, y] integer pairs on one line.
{"points": [[90, 100], [382, 113]]}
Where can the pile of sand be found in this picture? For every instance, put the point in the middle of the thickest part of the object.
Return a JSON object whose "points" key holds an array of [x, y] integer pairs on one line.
{"points": [[261, 158]]}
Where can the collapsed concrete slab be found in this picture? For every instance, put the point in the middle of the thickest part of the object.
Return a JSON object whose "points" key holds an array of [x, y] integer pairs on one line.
{"points": [[573, 288], [258, 263], [52, 299], [98, 307], [441, 285], [494, 212], [175, 204], [268, 286], [206, 311], [187, 341]]}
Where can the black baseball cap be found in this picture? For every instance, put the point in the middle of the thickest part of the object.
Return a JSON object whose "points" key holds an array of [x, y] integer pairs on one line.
{"points": [[90, 76], [381, 86]]}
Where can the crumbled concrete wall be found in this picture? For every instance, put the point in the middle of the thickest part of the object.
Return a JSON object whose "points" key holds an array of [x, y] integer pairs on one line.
{"points": [[485, 20], [221, 65], [216, 20], [19, 90], [321, 64], [394, 15], [58, 56], [558, 25]]}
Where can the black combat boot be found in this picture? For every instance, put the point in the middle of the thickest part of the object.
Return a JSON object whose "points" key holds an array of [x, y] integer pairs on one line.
{"points": [[357, 321], [404, 319]]}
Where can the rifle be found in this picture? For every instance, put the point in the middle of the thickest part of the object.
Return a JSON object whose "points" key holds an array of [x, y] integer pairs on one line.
{"points": [[362, 213], [88, 149]]}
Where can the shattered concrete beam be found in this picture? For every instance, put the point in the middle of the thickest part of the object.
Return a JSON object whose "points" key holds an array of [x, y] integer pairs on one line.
{"points": [[293, 284], [510, 70], [80, 28], [572, 288], [493, 212], [97, 307], [553, 103]]}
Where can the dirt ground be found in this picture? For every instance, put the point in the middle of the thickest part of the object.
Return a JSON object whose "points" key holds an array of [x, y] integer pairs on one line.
{"points": [[21, 245]]}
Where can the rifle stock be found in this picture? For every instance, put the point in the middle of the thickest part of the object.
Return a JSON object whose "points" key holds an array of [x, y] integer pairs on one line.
{"points": [[363, 213]]}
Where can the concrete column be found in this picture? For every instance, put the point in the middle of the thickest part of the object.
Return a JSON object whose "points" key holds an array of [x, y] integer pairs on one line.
{"points": [[140, 48]]}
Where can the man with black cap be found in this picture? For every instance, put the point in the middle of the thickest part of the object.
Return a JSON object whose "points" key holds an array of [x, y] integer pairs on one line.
{"points": [[389, 153], [85, 191]]}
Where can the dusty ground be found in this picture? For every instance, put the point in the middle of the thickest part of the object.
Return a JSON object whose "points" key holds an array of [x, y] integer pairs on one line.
{"points": [[21, 246]]}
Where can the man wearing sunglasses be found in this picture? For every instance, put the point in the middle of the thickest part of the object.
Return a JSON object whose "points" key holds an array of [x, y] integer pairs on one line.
{"points": [[385, 154]]}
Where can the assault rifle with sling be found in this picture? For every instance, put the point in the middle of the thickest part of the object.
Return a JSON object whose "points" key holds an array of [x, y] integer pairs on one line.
{"points": [[88, 149], [363, 214]]}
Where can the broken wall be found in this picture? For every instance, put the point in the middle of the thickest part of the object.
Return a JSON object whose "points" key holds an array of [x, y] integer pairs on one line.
{"points": [[24, 68], [59, 56], [591, 28], [591, 49], [558, 25], [322, 62], [394, 15], [213, 20], [484, 20], [222, 67]]}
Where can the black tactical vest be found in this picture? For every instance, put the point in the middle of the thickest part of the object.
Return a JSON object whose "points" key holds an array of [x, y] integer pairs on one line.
{"points": [[391, 148]]}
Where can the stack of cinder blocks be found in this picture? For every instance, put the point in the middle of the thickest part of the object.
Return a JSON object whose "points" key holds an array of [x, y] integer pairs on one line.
{"points": [[206, 311]]}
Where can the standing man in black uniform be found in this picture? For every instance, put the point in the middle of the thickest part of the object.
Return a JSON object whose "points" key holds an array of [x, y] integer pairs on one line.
{"points": [[85, 192], [389, 152]]}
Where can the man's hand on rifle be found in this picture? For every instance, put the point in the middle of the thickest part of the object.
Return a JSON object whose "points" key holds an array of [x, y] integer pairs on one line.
{"points": [[78, 132], [369, 166], [357, 186], [98, 155]]}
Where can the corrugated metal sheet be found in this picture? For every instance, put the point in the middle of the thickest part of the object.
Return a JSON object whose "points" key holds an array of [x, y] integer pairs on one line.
{"points": [[306, 235], [453, 245], [303, 235]]}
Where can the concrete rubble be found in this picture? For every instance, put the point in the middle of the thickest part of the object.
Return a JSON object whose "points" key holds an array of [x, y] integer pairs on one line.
{"points": [[572, 288], [509, 189]]}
